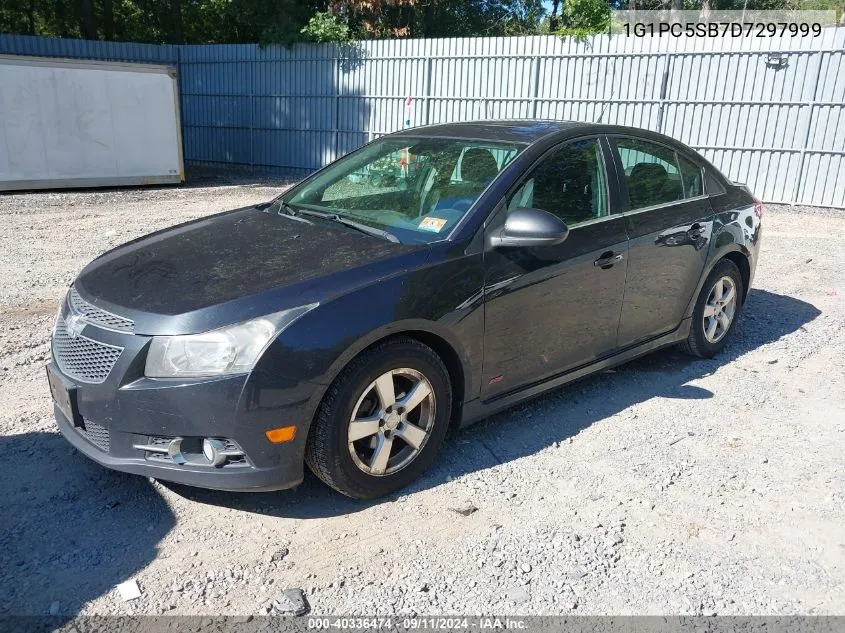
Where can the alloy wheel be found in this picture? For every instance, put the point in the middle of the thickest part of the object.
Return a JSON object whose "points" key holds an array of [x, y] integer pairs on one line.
{"points": [[391, 422], [719, 310]]}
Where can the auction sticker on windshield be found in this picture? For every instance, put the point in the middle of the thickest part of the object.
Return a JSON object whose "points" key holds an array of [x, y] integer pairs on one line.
{"points": [[435, 225]]}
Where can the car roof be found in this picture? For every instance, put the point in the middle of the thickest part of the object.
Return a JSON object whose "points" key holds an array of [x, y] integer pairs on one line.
{"points": [[528, 131], [514, 131]]}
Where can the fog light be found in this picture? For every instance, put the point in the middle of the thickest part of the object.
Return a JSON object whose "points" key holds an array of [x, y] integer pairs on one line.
{"points": [[214, 451]]}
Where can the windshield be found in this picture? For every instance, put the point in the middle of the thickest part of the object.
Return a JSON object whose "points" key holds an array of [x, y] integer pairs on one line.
{"points": [[414, 189]]}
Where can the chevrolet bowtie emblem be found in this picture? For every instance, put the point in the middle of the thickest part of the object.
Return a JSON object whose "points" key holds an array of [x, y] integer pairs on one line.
{"points": [[74, 325]]}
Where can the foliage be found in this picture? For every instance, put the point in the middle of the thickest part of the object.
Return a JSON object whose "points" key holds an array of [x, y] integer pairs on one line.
{"points": [[339, 21], [326, 27], [581, 18]]}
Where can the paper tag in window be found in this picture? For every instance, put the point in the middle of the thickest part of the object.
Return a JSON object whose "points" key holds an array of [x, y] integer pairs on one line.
{"points": [[432, 224]]}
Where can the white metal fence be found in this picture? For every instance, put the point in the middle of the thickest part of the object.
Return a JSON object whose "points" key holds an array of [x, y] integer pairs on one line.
{"points": [[767, 111]]}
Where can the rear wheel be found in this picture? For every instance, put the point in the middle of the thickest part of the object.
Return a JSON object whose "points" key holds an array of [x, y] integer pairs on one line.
{"points": [[716, 311], [382, 421]]}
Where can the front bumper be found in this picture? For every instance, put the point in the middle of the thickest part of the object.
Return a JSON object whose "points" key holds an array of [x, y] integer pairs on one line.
{"points": [[112, 413], [247, 479]]}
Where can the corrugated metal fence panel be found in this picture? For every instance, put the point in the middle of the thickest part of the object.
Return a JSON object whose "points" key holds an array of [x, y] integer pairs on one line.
{"points": [[767, 111], [602, 79], [823, 175], [216, 87], [747, 109]]}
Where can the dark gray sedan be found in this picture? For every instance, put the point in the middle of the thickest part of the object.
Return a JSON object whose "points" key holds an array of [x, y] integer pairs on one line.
{"points": [[428, 279]]}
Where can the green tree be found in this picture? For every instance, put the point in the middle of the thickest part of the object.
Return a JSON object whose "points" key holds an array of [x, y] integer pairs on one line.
{"points": [[580, 18], [288, 21], [326, 27]]}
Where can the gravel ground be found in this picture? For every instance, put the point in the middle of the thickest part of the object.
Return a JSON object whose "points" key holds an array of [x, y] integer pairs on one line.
{"points": [[669, 485]]}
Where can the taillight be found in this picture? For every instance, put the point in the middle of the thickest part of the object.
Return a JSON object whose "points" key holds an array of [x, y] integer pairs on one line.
{"points": [[758, 208]]}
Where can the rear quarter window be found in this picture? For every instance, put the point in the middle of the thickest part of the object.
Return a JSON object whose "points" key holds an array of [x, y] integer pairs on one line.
{"points": [[691, 177], [712, 185]]}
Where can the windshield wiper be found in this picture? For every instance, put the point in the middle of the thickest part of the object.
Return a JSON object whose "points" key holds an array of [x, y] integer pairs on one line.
{"points": [[334, 217], [364, 228], [285, 210]]}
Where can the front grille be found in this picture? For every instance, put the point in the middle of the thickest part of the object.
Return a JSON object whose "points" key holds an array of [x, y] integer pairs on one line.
{"points": [[96, 434], [94, 315], [81, 358]]}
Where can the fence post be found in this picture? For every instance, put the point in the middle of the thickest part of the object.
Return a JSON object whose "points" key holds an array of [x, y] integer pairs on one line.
{"points": [[535, 92], [427, 89], [252, 112], [182, 111], [336, 115], [812, 108], [664, 91]]}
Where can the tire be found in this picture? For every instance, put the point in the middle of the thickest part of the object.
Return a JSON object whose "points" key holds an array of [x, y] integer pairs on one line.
{"points": [[699, 342], [341, 461]]}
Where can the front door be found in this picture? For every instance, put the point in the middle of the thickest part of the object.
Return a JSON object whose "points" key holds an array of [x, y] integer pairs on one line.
{"points": [[669, 223], [552, 308]]}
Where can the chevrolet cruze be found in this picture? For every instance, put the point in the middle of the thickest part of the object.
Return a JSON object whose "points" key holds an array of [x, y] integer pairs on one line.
{"points": [[428, 279]]}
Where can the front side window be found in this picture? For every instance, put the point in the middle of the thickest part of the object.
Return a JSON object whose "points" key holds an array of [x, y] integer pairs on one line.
{"points": [[651, 173], [415, 189], [569, 183]]}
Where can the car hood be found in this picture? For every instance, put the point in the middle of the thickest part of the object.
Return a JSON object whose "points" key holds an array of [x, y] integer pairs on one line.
{"points": [[234, 266]]}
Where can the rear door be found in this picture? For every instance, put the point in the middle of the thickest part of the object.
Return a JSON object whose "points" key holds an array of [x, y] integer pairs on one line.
{"points": [[669, 224], [553, 308]]}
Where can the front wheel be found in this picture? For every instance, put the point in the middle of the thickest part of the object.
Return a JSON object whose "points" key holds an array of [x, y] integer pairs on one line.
{"points": [[382, 421], [716, 311]]}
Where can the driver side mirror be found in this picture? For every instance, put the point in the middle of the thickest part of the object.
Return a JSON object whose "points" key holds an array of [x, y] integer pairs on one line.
{"points": [[529, 227]]}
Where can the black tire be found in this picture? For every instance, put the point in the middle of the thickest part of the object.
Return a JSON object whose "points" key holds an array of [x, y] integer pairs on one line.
{"points": [[327, 451], [697, 343]]}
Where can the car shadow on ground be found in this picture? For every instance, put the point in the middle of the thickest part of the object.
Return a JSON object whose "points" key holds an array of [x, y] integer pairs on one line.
{"points": [[71, 531], [554, 417]]}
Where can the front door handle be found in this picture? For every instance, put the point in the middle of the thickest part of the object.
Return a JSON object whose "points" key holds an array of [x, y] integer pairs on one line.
{"points": [[607, 260]]}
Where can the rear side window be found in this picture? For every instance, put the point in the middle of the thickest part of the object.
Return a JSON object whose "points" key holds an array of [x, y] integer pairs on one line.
{"points": [[652, 173]]}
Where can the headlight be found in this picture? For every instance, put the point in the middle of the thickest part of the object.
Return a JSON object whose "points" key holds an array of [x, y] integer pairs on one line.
{"points": [[230, 350]]}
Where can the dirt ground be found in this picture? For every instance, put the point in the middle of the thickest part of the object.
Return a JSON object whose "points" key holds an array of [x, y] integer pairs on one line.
{"points": [[669, 485]]}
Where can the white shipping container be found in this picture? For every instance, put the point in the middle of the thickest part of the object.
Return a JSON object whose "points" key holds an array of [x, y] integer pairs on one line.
{"points": [[68, 123]]}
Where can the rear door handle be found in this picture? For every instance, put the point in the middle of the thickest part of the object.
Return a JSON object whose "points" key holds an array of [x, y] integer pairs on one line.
{"points": [[607, 260]]}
